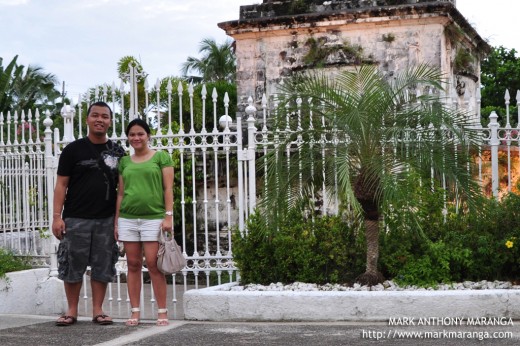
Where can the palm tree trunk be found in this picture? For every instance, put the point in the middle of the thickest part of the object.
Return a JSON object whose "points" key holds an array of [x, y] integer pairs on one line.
{"points": [[371, 276]]}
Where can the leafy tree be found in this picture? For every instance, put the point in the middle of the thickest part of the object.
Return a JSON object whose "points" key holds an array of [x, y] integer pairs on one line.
{"points": [[35, 88], [26, 88], [8, 75], [221, 87], [500, 72], [373, 160], [123, 70], [216, 64]]}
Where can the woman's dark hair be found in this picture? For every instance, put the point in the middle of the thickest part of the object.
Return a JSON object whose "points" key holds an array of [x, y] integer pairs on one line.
{"points": [[138, 122]]}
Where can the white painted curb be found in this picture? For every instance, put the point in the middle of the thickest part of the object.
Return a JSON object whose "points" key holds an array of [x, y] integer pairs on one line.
{"points": [[219, 304], [32, 292]]}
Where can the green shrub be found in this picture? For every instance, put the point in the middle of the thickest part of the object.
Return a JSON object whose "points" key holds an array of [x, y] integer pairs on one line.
{"points": [[445, 247], [11, 263], [464, 247], [325, 250]]}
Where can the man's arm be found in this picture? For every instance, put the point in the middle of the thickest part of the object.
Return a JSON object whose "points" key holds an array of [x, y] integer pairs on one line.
{"points": [[58, 226]]}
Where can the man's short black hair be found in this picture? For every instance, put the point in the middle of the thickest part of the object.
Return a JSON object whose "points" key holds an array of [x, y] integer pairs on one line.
{"points": [[99, 104]]}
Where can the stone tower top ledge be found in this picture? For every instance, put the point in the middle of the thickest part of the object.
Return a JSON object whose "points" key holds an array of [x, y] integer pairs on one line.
{"points": [[294, 14]]}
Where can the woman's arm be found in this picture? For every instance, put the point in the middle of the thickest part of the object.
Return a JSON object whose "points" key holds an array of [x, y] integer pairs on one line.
{"points": [[120, 193], [167, 175]]}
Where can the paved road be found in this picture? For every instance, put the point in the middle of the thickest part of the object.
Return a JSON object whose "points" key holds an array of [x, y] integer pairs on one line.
{"points": [[40, 330]]}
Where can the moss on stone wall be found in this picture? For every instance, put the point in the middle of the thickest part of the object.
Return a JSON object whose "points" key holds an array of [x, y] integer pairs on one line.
{"points": [[320, 54]]}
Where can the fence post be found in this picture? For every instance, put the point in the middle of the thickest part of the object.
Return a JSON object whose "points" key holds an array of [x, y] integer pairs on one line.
{"points": [[251, 152], [67, 112], [494, 143], [49, 173]]}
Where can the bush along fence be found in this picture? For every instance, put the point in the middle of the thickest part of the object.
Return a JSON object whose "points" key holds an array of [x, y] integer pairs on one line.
{"points": [[216, 157]]}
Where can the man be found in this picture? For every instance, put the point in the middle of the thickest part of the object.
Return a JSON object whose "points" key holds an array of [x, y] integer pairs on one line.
{"points": [[84, 207]]}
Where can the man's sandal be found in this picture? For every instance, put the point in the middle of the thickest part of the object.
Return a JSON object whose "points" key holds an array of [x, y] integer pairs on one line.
{"points": [[66, 320], [132, 322], [162, 321], [102, 319]]}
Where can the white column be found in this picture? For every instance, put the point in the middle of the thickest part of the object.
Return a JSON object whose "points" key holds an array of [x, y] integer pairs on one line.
{"points": [[251, 150], [494, 143]]}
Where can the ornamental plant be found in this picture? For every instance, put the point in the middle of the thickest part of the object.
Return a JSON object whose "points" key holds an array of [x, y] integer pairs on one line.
{"points": [[11, 263], [320, 250]]}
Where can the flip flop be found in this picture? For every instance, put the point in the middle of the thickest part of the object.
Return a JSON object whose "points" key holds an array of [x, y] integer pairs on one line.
{"points": [[66, 320], [102, 319]]}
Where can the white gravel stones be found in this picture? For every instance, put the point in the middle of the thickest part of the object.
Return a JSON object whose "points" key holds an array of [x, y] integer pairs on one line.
{"points": [[385, 286]]}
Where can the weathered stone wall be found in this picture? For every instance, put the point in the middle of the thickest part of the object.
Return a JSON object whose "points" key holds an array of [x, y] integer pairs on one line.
{"points": [[270, 48], [276, 8], [263, 62]]}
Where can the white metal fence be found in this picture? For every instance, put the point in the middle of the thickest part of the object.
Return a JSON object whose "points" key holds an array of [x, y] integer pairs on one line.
{"points": [[23, 186], [217, 174]]}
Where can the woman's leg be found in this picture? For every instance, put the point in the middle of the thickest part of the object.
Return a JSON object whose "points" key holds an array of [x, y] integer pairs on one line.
{"points": [[134, 260], [158, 278]]}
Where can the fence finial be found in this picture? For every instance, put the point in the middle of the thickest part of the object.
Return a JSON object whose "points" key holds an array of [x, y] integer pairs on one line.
{"points": [[250, 109], [67, 112]]}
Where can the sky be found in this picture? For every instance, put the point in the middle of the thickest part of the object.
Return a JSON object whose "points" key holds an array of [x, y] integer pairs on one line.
{"points": [[81, 41]]}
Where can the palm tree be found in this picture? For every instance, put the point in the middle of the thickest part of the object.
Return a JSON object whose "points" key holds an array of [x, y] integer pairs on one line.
{"points": [[8, 75], [123, 68], [371, 142], [35, 88], [123, 71], [216, 64], [26, 88]]}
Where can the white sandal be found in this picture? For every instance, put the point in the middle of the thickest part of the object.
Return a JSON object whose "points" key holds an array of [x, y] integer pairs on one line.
{"points": [[133, 322], [162, 321]]}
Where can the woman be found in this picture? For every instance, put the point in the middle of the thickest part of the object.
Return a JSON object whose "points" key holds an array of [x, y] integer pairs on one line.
{"points": [[144, 206]]}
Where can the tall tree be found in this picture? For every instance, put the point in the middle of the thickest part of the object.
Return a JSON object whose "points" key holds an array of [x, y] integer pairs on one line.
{"points": [[216, 64], [35, 88], [26, 88], [500, 71], [374, 140], [8, 76], [123, 69]]}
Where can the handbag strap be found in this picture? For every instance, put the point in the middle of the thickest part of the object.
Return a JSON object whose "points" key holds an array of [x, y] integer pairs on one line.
{"points": [[162, 237]]}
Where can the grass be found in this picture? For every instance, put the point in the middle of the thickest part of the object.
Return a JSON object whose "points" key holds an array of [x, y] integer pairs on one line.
{"points": [[9, 262]]}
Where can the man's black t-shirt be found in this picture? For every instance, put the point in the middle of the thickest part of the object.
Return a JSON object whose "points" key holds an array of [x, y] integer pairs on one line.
{"points": [[91, 193]]}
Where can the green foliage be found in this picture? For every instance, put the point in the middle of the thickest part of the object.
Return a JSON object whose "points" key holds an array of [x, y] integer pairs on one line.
{"points": [[11, 263], [485, 112], [389, 38], [325, 250], [319, 52], [23, 88], [500, 71], [463, 61], [367, 166], [216, 64], [465, 247], [221, 87]]}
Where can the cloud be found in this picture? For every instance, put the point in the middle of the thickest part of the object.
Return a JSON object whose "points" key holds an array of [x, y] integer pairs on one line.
{"points": [[13, 2]]}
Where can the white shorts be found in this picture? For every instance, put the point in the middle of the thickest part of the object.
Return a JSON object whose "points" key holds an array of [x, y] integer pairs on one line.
{"points": [[138, 229]]}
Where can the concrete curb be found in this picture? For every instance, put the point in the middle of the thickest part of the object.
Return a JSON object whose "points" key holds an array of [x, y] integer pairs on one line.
{"points": [[219, 304], [32, 292]]}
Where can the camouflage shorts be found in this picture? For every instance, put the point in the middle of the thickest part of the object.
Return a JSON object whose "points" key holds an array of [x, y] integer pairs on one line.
{"points": [[88, 242]]}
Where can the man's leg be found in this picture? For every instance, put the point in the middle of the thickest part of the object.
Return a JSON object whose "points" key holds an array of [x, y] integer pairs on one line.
{"points": [[103, 256], [98, 296], [72, 291]]}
